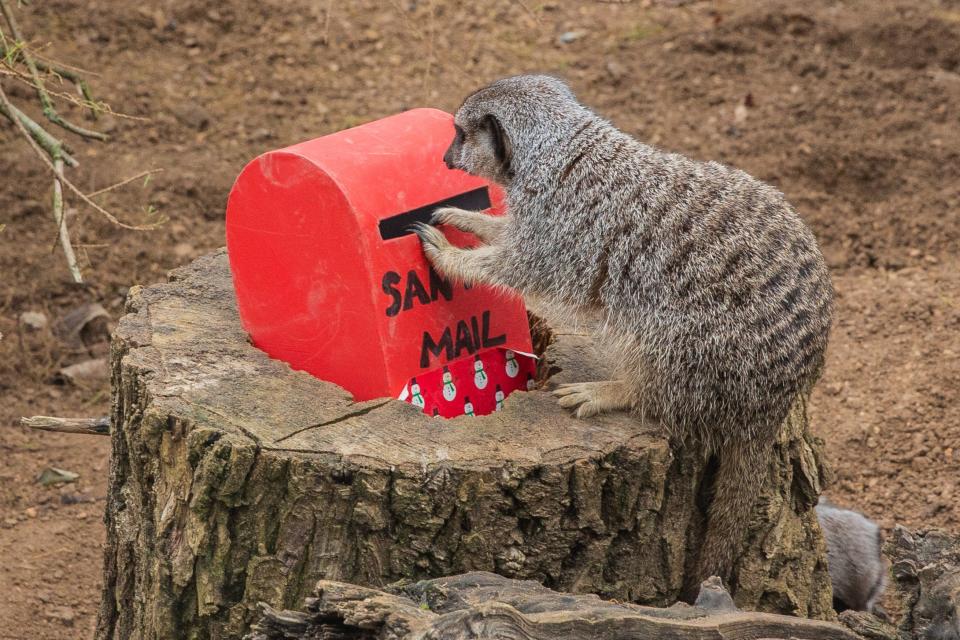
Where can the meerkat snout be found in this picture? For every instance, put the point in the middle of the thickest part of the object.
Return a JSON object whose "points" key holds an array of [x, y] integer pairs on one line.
{"points": [[452, 155]]}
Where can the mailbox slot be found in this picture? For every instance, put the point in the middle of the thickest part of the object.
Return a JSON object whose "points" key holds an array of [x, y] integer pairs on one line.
{"points": [[399, 225]]}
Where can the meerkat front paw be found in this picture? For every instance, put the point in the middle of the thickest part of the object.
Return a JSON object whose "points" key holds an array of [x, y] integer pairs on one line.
{"points": [[449, 215], [591, 398], [485, 226], [431, 238]]}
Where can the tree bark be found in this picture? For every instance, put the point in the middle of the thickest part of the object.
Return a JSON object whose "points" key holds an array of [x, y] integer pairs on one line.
{"points": [[484, 605], [926, 571], [236, 480]]}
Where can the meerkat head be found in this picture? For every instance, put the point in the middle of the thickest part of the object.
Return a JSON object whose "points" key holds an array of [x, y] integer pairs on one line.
{"points": [[482, 148], [497, 126]]}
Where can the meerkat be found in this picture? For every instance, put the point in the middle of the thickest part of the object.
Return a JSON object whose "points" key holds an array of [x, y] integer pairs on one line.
{"points": [[707, 289], [858, 572]]}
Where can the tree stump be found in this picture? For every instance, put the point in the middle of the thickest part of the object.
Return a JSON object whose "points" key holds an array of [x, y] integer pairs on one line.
{"points": [[236, 480]]}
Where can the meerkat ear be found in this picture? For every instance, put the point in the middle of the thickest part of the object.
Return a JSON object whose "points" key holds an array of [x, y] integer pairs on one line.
{"points": [[502, 147]]}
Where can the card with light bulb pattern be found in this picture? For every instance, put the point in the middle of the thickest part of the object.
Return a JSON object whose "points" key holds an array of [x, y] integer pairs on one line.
{"points": [[473, 386]]}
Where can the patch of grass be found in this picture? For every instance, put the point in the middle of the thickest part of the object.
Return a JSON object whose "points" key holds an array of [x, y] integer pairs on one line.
{"points": [[642, 31]]}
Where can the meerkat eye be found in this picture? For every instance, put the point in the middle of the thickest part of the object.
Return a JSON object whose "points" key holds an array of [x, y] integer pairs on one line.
{"points": [[460, 133]]}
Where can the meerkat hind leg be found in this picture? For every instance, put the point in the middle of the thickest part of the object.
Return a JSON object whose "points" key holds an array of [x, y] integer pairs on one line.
{"points": [[592, 398], [483, 225]]}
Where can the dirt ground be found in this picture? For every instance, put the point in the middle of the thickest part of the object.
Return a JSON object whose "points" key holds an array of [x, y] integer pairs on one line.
{"points": [[850, 108]]}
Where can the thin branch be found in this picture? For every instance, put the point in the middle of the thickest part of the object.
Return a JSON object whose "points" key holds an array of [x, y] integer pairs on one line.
{"points": [[95, 106], [61, 221], [5, 102], [92, 426], [60, 71], [49, 143], [431, 24], [56, 64], [48, 109], [123, 182], [76, 79], [529, 11], [326, 22]]}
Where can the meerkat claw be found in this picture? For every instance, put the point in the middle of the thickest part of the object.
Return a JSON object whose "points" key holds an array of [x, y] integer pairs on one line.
{"points": [[431, 237], [443, 215], [588, 399], [566, 389]]}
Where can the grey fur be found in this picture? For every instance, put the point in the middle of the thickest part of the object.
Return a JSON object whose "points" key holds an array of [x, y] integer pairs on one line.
{"points": [[707, 287], [858, 572]]}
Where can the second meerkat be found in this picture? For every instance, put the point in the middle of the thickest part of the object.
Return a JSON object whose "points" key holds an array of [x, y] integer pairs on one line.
{"points": [[706, 286]]}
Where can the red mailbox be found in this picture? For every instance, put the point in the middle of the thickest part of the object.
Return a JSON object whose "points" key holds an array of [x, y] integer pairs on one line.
{"points": [[330, 279]]}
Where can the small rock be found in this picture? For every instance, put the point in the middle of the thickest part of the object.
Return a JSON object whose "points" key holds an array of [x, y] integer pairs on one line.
{"points": [[30, 512], [108, 123], [616, 70], [85, 372], [33, 319], [64, 615], [183, 249], [193, 115], [260, 135], [740, 113], [571, 36], [84, 325], [27, 207], [53, 475]]}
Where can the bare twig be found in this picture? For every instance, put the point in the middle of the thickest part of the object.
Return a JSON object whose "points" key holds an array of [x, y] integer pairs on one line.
{"points": [[48, 109], [61, 221], [326, 22], [53, 151], [57, 70], [47, 142], [142, 174], [530, 12], [431, 24], [57, 64], [94, 106], [93, 426], [72, 187], [73, 77]]}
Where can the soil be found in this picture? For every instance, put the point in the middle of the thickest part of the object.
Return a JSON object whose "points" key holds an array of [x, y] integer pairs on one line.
{"points": [[850, 108]]}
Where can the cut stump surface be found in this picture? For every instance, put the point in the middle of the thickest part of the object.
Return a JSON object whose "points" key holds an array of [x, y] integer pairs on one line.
{"points": [[235, 479]]}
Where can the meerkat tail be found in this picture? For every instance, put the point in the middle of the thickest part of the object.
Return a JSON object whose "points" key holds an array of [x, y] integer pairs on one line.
{"points": [[740, 478]]}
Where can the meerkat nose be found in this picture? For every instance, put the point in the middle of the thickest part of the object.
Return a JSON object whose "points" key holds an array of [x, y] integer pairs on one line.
{"points": [[448, 159]]}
